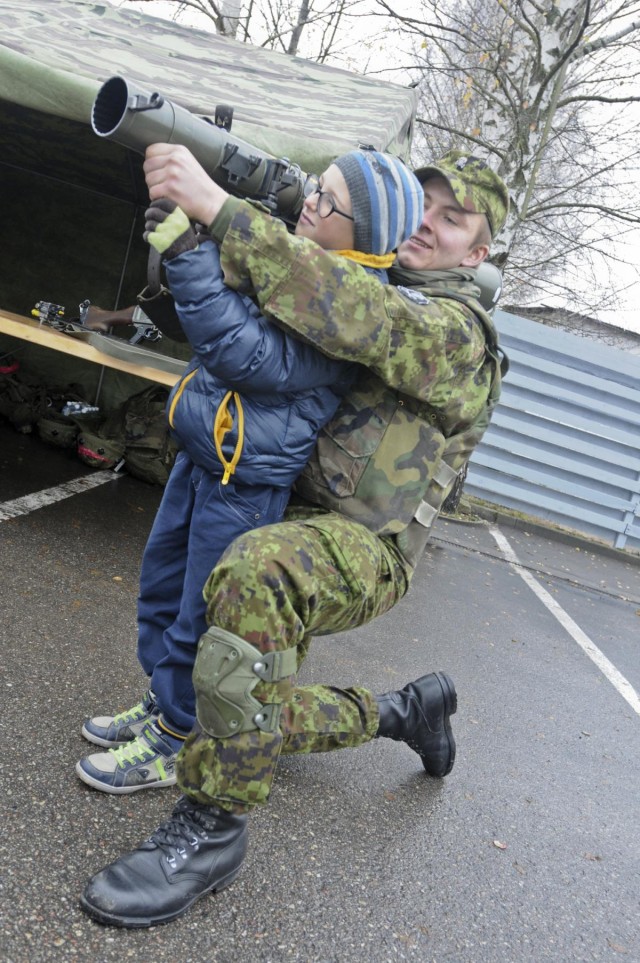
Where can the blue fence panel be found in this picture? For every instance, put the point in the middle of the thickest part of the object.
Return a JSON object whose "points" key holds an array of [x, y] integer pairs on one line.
{"points": [[564, 443]]}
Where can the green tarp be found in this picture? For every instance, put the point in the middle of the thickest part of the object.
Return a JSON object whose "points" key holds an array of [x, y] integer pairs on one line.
{"points": [[55, 53]]}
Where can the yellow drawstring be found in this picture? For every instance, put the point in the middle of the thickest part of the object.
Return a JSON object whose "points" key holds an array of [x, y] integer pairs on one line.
{"points": [[176, 397], [222, 424]]}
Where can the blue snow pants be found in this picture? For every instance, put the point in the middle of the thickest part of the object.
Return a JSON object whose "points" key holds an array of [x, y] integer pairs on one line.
{"points": [[197, 519]]}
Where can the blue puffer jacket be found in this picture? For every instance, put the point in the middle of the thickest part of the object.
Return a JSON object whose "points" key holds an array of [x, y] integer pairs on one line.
{"points": [[282, 389]]}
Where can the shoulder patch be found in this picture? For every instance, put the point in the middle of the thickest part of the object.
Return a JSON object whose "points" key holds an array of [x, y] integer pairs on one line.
{"points": [[412, 294]]}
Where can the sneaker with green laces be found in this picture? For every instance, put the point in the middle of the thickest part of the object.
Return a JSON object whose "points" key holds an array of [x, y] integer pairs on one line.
{"points": [[113, 731], [148, 762]]}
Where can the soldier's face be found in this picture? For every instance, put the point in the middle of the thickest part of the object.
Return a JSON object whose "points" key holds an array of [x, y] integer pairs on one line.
{"points": [[447, 236], [335, 232]]}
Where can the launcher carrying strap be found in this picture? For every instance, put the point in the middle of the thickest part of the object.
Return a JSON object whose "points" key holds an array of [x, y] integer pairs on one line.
{"points": [[157, 301]]}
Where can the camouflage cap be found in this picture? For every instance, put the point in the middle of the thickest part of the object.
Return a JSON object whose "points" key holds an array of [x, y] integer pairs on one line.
{"points": [[476, 187]]}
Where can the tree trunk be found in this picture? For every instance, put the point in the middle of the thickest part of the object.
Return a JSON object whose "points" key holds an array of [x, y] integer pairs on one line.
{"points": [[303, 18], [230, 17]]}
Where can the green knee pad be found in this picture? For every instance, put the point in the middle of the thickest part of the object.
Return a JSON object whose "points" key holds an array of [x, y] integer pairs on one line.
{"points": [[226, 671]]}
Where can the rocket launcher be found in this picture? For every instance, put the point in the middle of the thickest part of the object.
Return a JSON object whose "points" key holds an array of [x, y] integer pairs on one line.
{"points": [[134, 119]]}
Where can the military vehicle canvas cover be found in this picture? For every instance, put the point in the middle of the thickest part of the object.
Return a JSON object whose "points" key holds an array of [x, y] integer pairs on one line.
{"points": [[54, 56], [73, 202]]}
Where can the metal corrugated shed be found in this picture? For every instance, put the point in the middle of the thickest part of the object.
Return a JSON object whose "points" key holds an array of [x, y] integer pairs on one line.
{"points": [[564, 442]]}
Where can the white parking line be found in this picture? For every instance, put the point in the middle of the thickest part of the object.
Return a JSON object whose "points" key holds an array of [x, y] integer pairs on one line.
{"points": [[29, 503], [607, 668]]}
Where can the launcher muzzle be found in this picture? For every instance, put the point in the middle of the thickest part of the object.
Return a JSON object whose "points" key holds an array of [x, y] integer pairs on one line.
{"points": [[135, 119]]}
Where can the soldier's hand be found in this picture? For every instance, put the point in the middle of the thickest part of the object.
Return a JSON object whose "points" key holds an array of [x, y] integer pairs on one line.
{"points": [[168, 229], [172, 171]]}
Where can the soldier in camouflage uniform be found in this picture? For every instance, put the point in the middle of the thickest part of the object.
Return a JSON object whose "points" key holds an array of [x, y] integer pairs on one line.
{"points": [[246, 415], [348, 547]]}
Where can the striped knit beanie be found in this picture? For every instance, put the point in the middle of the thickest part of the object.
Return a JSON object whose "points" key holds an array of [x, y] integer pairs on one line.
{"points": [[386, 198]]}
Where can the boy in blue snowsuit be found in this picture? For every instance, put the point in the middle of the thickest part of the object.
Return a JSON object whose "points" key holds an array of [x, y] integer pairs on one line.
{"points": [[246, 415]]}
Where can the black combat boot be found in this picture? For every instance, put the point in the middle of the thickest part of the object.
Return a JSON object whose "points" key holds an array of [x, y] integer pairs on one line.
{"points": [[419, 715], [198, 850]]}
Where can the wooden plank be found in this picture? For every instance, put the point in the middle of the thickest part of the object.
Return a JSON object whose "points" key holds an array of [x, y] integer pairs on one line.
{"points": [[29, 330]]}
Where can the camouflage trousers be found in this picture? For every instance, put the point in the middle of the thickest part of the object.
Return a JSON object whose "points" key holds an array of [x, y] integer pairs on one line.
{"points": [[276, 587]]}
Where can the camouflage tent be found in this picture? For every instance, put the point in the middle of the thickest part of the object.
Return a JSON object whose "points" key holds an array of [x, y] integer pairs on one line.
{"points": [[73, 202]]}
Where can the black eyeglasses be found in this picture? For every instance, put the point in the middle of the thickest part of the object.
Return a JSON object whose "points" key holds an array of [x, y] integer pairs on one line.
{"points": [[326, 204]]}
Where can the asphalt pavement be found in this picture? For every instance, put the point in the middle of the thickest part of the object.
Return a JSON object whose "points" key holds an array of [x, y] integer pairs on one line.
{"points": [[528, 851]]}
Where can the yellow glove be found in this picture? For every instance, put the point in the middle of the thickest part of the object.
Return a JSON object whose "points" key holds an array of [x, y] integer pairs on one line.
{"points": [[168, 229]]}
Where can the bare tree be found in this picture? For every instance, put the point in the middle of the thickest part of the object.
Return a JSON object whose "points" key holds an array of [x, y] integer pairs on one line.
{"points": [[275, 24], [549, 91]]}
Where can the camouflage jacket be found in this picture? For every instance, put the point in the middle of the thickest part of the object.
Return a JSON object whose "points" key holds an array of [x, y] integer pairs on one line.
{"points": [[392, 451]]}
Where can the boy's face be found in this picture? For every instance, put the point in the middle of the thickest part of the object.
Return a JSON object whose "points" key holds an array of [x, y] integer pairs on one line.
{"points": [[333, 233], [447, 236]]}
